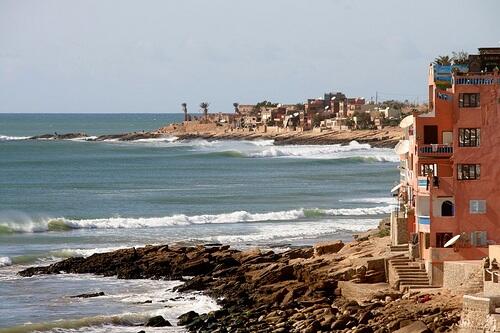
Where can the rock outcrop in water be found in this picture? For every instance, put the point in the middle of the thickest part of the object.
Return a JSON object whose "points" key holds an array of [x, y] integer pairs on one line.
{"points": [[388, 137], [300, 290], [56, 136]]}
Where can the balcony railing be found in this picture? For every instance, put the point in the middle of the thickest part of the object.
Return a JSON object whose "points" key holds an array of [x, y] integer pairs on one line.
{"points": [[435, 150], [476, 79]]}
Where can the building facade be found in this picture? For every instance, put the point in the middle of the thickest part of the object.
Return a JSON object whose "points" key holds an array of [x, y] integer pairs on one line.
{"points": [[450, 165]]}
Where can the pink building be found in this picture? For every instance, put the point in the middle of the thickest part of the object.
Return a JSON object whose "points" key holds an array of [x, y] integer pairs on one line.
{"points": [[450, 166]]}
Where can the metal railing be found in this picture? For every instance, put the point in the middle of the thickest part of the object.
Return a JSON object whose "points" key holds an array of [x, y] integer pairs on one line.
{"points": [[435, 149]]}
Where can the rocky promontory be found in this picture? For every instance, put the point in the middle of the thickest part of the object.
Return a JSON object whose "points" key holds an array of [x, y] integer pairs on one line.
{"points": [[384, 138], [331, 287]]}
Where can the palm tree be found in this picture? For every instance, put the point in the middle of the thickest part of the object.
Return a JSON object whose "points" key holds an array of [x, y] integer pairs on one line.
{"points": [[204, 107], [185, 110], [443, 60], [236, 109], [460, 57]]}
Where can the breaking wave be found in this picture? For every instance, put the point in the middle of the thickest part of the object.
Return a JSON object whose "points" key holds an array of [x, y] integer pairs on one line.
{"points": [[266, 149], [5, 261], [13, 138], [65, 224]]}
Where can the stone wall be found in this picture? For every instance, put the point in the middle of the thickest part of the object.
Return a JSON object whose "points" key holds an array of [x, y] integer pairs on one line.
{"points": [[465, 276], [399, 229], [478, 314]]}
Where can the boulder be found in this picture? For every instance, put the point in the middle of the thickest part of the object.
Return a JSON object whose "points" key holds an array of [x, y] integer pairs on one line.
{"points": [[157, 321], [328, 247], [187, 318]]}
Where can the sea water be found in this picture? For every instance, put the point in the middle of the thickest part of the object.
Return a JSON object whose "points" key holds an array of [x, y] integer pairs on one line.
{"points": [[74, 198]]}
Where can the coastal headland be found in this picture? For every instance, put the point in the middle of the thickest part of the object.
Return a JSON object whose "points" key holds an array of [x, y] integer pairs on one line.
{"points": [[387, 137], [331, 287]]}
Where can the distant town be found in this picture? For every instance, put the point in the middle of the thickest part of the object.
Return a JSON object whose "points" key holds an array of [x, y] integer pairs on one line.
{"points": [[333, 111]]}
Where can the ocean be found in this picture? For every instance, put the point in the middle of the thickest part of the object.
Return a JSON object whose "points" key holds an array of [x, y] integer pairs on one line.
{"points": [[75, 197]]}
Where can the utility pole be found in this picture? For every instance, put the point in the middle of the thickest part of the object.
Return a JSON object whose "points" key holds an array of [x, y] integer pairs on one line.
{"points": [[376, 97]]}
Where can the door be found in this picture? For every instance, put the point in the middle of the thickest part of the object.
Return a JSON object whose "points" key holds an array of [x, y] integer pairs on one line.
{"points": [[430, 134]]}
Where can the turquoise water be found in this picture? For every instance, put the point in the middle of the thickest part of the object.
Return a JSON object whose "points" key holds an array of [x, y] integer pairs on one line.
{"points": [[64, 198]]}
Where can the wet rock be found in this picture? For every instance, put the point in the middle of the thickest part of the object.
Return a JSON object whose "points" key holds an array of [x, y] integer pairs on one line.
{"points": [[89, 295], [187, 318], [157, 321]]}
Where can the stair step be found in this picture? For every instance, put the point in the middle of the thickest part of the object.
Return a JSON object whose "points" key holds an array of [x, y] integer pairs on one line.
{"points": [[414, 285]]}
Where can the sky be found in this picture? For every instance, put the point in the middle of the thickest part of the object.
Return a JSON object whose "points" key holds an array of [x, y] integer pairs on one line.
{"points": [[151, 55]]}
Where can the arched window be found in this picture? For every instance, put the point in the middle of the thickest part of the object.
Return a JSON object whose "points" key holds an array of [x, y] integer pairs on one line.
{"points": [[447, 208]]}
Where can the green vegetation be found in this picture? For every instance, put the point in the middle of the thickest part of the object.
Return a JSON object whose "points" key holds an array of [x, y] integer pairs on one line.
{"points": [[457, 58]]}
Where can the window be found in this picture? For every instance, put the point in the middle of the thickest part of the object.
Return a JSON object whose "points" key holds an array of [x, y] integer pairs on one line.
{"points": [[477, 206], [442, 238], [469, 137], [468, 171], [468, 100], [447, 208], [428, 169]]}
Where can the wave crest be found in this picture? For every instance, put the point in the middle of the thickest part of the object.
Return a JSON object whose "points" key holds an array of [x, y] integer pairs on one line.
{"points": [[64, 224]]}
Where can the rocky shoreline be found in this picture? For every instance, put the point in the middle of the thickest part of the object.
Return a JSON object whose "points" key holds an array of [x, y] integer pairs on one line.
{"points": [[385, 138], [332, 287]]}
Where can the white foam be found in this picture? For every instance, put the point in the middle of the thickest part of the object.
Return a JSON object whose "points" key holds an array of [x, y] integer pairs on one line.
{"points": [[267, 149], [5, 261], [380, 210], [13, 138], [154, 140], [269, 233], [386, 200], [181, 219], [83, 138]]}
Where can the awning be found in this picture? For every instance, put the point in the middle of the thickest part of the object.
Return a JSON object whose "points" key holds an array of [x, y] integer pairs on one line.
{"points": [[402, 147], [406, 122], [395, 188], [452, 241]]}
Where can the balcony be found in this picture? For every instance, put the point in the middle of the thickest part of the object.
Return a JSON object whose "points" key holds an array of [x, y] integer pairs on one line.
{"points": [[435, 150], [476, 79]]}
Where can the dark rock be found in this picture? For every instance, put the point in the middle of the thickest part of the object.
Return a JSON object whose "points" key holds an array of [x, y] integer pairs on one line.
{"points": [[187, 318], [157, 321], [365, 317], [363, 329], [90, 295]]}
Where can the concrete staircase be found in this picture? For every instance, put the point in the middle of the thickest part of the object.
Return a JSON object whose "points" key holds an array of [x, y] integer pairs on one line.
{"points": [[409, 274], [399, 248]]}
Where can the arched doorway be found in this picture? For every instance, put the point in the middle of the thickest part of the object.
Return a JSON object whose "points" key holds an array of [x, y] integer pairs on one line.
{"points": [[447, 208]]}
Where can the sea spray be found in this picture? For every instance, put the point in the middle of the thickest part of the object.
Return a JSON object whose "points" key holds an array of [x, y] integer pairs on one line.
{"points": [[5, 261]]}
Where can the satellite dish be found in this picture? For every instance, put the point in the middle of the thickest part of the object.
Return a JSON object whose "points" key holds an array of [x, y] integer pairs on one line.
{"points": [[402, 147], [395, 188], [406, 122], [452, 241]]}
